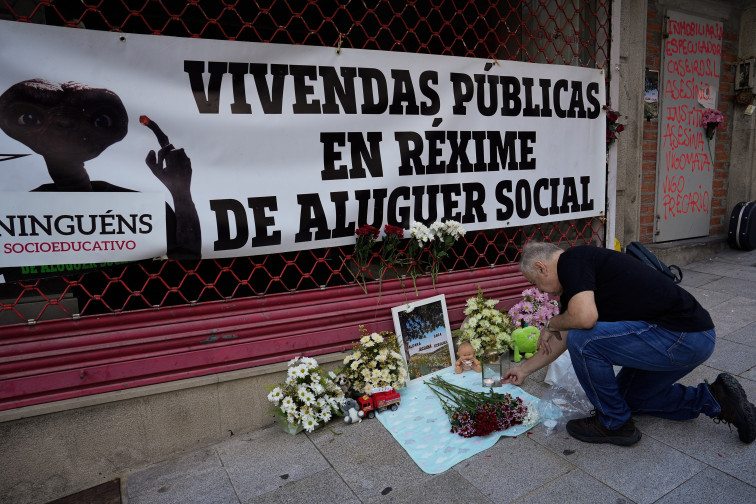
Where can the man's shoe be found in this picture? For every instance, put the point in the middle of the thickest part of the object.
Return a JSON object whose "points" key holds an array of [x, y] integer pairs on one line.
{"points": [[591, 430], [736, 409]]}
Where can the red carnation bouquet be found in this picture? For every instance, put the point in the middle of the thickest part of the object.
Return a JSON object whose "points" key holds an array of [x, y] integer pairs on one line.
{"points": [[392, 236], [363, 251], [477, 413]]}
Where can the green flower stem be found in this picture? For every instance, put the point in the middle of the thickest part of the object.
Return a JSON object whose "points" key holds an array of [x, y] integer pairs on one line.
{"points": [[454, 395], [708, 147]]}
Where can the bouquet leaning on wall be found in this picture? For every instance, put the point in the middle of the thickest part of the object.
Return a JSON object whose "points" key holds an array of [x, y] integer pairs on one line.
{"points": [[308, 398]]}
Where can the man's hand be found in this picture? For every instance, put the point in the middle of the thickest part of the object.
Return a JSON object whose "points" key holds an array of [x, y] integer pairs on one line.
{"points": [[515, 376]]}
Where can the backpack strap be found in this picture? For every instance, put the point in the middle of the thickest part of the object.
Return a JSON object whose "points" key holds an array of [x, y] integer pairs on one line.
{"points": [[644, 255]]}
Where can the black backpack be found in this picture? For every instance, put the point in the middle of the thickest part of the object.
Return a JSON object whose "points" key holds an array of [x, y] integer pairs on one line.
{"points": [[644, 255]]}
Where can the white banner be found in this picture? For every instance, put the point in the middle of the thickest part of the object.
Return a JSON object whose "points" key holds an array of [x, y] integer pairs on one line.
{"points": [[262, 148], [41, 228]]}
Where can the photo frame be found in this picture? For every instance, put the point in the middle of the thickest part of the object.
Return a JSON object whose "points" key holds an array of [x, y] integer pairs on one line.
{"points": [[744, 74], [424, 334]]}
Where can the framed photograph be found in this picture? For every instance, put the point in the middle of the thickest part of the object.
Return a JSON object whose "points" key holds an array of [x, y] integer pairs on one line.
{"points": [[422, 328], [744, 74]]}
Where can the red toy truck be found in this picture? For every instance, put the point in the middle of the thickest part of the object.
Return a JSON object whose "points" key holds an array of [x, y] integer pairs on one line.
{"points": [[379, 400]]}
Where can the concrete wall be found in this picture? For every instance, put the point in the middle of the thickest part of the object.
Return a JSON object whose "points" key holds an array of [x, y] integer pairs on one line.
{"points": [[56, 449], [629, 146]]}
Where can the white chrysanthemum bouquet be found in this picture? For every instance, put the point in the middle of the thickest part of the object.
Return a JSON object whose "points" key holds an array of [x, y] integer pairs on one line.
{"points": [[375, 362], [485, 326], [307, 397]]}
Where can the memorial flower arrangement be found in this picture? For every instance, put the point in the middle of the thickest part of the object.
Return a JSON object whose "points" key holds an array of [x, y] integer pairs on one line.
{"points": [[710, 120], [479, 413], [613, 126], [485, 326], [363, 250], [438, 238], [420, 235], [375, 362], [392, 236], [535, 309], [445, 235], [307, 397]]}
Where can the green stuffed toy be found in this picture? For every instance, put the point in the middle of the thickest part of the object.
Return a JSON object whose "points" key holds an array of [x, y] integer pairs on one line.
{"points": [[525, 340]]}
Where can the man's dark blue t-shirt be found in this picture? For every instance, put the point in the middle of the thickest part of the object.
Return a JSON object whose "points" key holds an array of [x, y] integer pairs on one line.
{"points": [[626, 289]]}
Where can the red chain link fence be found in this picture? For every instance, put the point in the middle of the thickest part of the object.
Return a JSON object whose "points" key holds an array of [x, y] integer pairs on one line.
{"points": [[566, 32]]}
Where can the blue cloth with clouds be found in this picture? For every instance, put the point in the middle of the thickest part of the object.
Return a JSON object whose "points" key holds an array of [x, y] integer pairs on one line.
{"points": [[422, 428]]}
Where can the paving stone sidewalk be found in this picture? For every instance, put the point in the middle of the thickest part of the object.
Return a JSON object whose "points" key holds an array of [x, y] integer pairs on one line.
{"points": [[689, 462]]}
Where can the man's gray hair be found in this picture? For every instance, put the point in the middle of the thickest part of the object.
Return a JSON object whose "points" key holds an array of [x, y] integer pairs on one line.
{"points": [[534, 252]]}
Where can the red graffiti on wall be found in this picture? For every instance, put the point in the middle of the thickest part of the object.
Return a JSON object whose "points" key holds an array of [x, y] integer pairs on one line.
{"points": [[692, 51]]}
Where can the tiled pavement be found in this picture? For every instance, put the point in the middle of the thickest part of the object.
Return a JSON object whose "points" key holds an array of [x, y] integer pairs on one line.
{"points": [[688, 462]]}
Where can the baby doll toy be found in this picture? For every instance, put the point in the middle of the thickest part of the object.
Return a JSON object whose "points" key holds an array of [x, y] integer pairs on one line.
{"points": [[467, 360]]}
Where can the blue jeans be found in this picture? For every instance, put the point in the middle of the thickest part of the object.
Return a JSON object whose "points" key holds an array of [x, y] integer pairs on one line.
{"points": [[652, 360]]}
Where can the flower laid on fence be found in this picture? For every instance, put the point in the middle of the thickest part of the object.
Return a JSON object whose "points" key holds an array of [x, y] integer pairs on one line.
{"points": [[307, 397], [485, 327], [421, 235], [535, 309], [375, 362], [438, 238], [363, 250], [445, 234], [613, 126], [710, 120], [479, 413], [392, 236]]}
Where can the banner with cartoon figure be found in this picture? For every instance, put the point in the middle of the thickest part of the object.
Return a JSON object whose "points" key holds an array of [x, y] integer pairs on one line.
{"points": [[265, 148]]}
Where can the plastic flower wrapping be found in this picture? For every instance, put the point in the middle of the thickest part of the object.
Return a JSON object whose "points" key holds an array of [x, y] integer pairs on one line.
{"points": [[480, 413], [485, 326], [535, 309], [375, 362], [307, 397]]}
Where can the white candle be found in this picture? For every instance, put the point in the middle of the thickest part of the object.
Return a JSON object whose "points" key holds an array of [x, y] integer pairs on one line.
{"points": [[488, 382]]}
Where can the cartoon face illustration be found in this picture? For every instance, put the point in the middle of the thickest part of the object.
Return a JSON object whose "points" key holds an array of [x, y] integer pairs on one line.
{"points": [[67, 122]]}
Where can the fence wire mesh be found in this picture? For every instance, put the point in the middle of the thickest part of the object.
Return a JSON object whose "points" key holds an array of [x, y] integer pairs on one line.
{"points": [[565, 32]]}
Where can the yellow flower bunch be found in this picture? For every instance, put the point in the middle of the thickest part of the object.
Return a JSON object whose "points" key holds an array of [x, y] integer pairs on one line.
{"points": [[485, 326], [375, 362]]}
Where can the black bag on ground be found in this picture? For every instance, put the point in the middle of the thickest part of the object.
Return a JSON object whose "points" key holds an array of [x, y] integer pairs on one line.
{"points": [[742, 232], [644, 255]]}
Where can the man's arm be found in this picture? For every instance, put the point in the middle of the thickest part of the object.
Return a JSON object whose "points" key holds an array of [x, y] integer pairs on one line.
{"points": [[581, 313], [516, 375]]}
